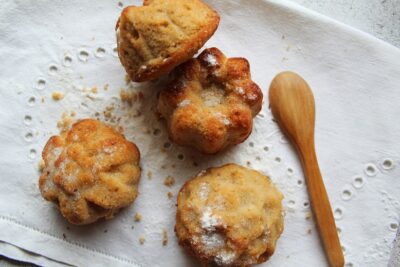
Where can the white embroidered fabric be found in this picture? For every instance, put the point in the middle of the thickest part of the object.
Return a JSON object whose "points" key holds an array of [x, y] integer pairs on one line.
{"points": [[70, 47]]}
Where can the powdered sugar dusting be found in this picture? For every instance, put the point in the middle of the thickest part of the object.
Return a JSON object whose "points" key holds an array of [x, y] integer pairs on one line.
{"points": [[223, 118], [211, 60], [212, 241], [48, 185], [203, 191], [208, 221], [70, 177], [251, 96], [184, 103], [109, 149], [225, 257], [219, 203], [51, 158], [212, 96], [239, 90], [201, 173], [267, 232], [54, 155]]}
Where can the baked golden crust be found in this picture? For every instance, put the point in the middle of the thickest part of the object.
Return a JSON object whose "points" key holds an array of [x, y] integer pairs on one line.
{"points": [[229, 216], [91, 172], [155, 38], [211, 102]]}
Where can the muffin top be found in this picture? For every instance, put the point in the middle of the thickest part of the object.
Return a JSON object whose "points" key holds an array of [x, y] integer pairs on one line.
{"points": [[156, 37], [211, 102], [229, 216], [91, 171]]}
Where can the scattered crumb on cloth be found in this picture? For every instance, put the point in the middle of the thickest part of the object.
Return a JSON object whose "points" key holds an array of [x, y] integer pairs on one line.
{"points": [[170, 195], [165, 238], [56, 95], [138, 217], [128, 96], [141, 240], [169, 181]]}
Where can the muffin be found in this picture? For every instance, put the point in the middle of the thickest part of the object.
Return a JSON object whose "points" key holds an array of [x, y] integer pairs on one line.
{"points": [[229, 216], [211, 102], [90, 172], [156, 37]]}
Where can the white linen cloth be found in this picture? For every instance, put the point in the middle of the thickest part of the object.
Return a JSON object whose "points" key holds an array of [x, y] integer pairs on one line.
{"points": [[68, 46]]}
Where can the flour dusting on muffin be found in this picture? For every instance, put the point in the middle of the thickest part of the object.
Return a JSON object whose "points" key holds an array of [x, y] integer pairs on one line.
{"points": [[211, 102], [229, 216], [90, 172]]}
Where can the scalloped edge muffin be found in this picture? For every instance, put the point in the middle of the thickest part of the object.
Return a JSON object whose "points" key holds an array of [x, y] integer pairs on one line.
{"points": [[211, 102], [90, 172], [229, 216], [155, 38]]}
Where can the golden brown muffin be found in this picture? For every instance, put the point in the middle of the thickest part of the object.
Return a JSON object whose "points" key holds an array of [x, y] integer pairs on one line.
{"points": [[229, 216], [91, 172], [156, 37], [211, 102]]}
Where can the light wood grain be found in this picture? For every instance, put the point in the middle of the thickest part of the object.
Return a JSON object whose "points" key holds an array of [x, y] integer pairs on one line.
{"points": [[292, 104]]}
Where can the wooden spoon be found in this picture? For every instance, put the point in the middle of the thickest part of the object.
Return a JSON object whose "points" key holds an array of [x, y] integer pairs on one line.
{"points": [[292, 104]]}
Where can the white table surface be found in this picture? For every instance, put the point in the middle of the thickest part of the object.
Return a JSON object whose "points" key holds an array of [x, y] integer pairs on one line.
{"points": [[380, 18]]}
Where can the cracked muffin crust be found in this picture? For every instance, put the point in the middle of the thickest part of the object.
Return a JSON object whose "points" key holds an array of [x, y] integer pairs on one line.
{"points": [[211, 102], [156, 37], [229, 216], [90, 172]]}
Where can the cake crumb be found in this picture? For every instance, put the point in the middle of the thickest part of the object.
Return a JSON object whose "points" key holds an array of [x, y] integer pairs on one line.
{"points": [[169, 180], [309, 231], [142, 240], [138, 217], [308, 215], [108, 112], [57, 96], [73, 113], [93, 90], [128, 96], [170, 195], [106, 87], [64, 123], [165, 238], [149, 175]]}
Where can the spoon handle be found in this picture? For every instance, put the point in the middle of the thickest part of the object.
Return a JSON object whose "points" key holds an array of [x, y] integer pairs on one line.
{"points": [[321, 207]]}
